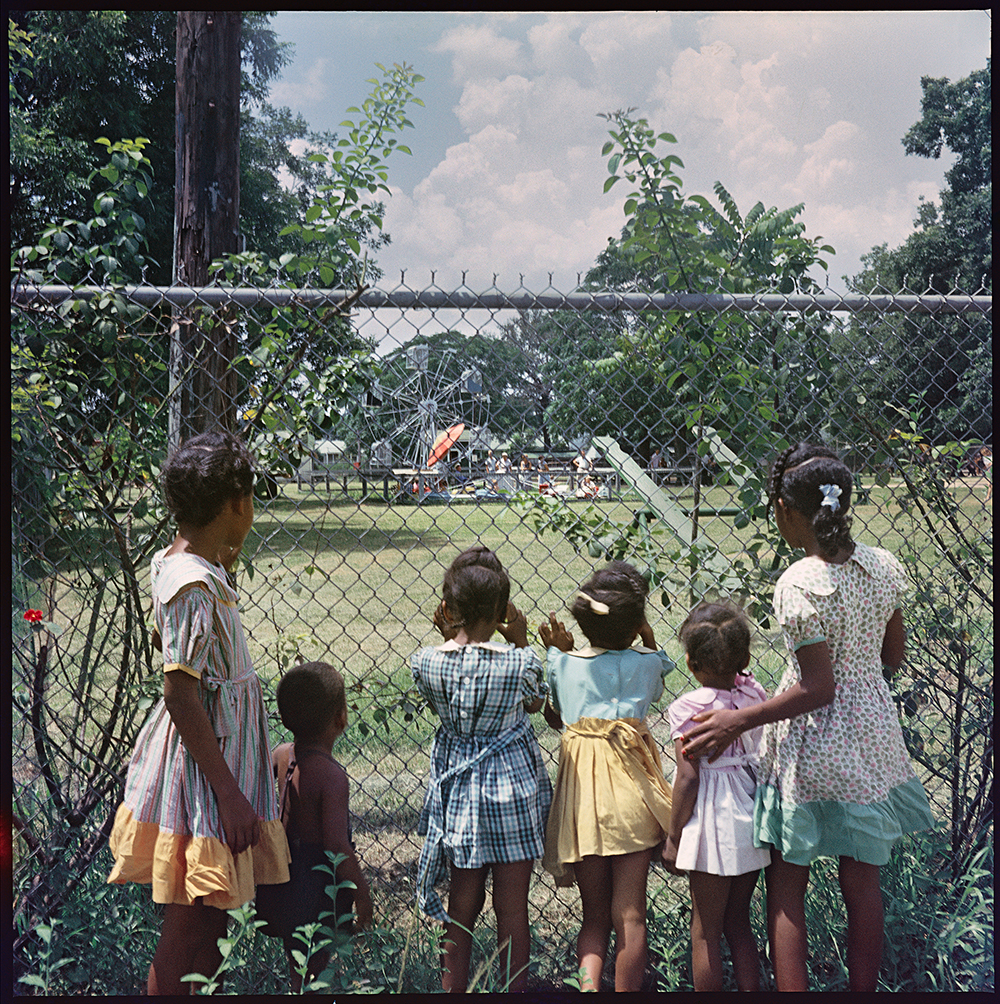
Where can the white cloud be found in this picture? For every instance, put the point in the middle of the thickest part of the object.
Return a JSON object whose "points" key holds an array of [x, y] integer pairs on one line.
{"points": [[478, 51], [313, 89]]}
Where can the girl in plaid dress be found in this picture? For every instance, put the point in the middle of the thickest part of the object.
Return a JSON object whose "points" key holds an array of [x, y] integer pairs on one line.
{"points": [[611, 806], [199, 820], [489, 794]]}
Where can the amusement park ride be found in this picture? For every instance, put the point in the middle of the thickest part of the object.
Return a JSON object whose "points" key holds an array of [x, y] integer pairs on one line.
{"points": [[436, 420]]}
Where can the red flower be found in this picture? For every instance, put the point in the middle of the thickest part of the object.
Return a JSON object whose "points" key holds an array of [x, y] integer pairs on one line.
{"points": [[34, 616]]}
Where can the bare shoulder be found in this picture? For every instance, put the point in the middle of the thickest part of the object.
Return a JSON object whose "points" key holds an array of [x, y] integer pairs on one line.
{"points": [[280, 758], [323, 777]]}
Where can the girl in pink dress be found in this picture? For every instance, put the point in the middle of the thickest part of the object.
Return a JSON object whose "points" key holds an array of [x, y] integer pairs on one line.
{"points": [[711, 825], [835, 779]]}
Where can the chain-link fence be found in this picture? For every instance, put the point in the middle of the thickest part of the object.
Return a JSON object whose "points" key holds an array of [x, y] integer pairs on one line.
{"points": [[394, 429]]}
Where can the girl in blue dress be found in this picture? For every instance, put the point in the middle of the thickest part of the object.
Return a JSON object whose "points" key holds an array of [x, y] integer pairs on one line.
{"points": [[611, 807], [488, 795]]}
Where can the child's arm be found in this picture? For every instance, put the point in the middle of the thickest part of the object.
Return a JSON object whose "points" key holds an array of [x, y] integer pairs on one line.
{"points": [[646, 636], [684, 797], [894, 642], [721, 728], [336, 838], [239, 821]]}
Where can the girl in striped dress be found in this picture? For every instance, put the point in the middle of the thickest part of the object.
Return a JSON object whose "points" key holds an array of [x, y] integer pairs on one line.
{"points": [[488, 795], [199, 820]]}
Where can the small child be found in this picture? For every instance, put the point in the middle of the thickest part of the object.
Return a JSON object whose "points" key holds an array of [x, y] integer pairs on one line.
{"points": [[314, 799], [711, 826], [488, 793], [611, 805]]}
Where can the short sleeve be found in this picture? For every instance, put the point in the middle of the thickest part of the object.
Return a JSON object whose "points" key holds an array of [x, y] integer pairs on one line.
{"points": [[533, 683], [682, 710], [186, 631], [899, 579], [797, 615]]}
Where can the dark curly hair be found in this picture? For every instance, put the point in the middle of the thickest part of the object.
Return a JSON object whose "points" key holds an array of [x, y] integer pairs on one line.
{"points": [[612, 606], [716, 638], [795, 478], [205, 473], [476, 587], [310, 695]]}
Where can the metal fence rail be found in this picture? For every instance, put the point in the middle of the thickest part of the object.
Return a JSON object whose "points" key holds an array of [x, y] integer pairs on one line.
{"points": [[342, 404]]}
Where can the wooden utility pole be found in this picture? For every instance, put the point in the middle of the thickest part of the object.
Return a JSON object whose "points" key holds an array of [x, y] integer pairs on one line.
{"points": [[206, 215]]}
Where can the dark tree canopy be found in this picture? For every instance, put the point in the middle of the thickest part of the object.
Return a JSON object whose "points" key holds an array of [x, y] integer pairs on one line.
{"points": [[77, 84], [949, 251]]}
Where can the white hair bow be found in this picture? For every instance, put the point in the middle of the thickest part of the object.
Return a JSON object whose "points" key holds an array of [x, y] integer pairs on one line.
{"points": [[831, 496]]}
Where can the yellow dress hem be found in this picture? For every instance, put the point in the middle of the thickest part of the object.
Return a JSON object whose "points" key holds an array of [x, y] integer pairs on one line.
{"points": [[181, 868]]}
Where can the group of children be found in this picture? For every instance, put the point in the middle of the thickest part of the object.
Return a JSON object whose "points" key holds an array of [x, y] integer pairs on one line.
{"points": [[818, 770]]}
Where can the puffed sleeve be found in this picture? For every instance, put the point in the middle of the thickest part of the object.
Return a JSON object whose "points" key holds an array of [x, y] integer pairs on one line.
{"points": [[798, 617], [899, 580], [533, 683], [682, 710], [186, 631]]}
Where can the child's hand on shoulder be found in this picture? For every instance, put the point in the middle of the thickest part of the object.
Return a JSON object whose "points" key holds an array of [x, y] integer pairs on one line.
{"points": [[555, 635], [514, 627]]}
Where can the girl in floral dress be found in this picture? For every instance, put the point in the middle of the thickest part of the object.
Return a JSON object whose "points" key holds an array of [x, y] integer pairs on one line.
{"points": [[199, 820], [836, 780]]}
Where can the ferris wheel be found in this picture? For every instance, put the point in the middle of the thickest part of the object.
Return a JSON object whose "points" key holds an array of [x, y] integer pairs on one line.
{"points": [[421, 396]]}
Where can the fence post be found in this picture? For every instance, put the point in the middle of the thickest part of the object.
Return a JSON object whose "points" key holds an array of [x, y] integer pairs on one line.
{"points": [[206, 215]]}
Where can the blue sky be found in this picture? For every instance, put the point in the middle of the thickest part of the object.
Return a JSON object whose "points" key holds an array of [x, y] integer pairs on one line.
{"points": [[507, 176]]}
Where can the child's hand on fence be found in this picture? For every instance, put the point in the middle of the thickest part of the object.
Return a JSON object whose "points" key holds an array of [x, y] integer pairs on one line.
{"points": [[646, 635], [441, 622], [515, 630], [555, 635]]}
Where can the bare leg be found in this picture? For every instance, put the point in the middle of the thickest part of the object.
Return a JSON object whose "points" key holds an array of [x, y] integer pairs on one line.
{"points": [[628, 916], [510, 904], [593, 876], [465, 901], [709, 898], [862, 892], [786, 922], [739, 934], [188, 944]]}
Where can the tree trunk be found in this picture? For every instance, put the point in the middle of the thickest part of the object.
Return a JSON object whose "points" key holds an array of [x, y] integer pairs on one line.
{"points": [[206, 216]]}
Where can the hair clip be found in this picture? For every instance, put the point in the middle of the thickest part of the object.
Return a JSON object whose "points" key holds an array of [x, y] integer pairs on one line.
{"points": [[596, 605], [831, 496]]}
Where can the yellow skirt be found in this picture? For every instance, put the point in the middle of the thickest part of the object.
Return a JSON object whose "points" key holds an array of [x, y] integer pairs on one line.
{"points": [[610, 797], [182, 868]]}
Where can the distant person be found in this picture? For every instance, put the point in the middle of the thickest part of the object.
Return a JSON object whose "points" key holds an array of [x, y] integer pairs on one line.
{"points": [[544, 480], [581, 463], [314, 792], [655, 462]]}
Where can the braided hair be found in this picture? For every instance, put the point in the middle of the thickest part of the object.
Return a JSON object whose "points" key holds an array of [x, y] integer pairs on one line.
{"points": [[716, 638], [611, 606], [796, 477], [476, 587]]}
